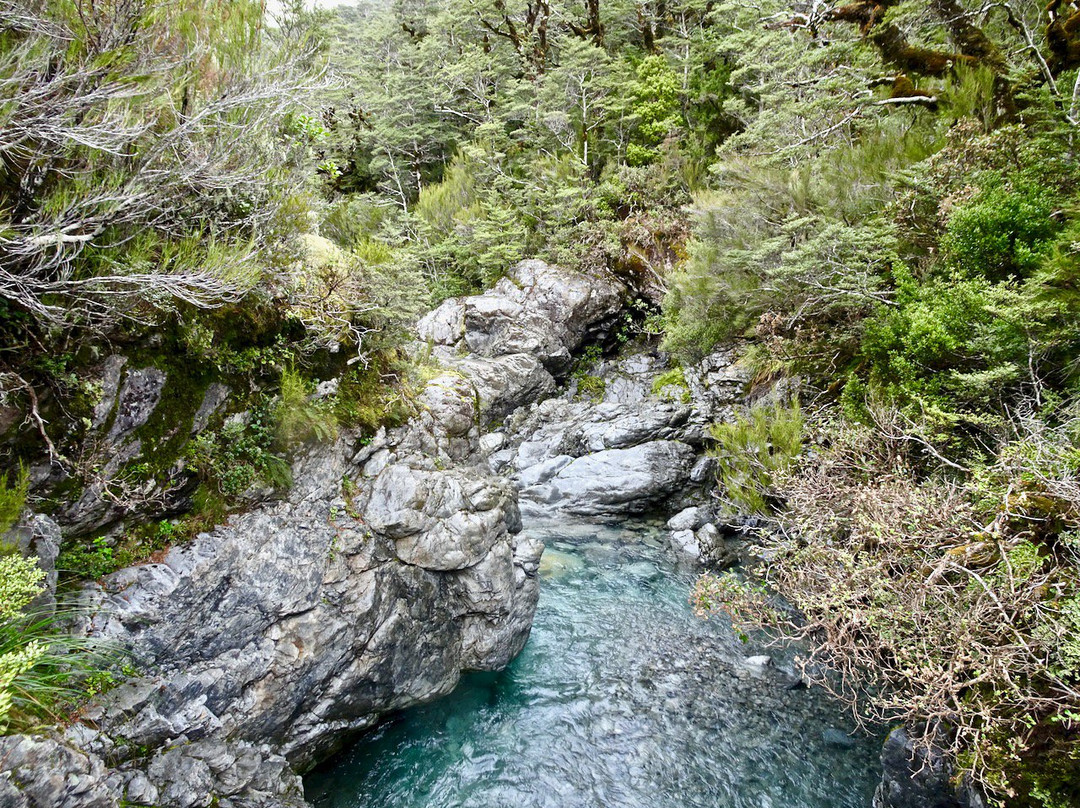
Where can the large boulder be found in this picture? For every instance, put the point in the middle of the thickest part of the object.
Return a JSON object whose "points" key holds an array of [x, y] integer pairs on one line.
{"points": [[542, 311], [303, 621], [617, 481]]}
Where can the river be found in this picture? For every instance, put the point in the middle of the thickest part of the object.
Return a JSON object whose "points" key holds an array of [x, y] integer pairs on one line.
{"points": [[622, 698]]}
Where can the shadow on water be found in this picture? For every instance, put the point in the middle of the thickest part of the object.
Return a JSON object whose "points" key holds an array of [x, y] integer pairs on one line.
{"points": [[622, 698]]}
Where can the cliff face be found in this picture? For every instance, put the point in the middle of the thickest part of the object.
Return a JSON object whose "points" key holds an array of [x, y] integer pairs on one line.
{"points": [[388, 570]]}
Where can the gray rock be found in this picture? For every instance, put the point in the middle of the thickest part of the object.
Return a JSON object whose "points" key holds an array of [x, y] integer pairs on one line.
{"points": [[109, 383], [716, 383], [137, 399], [215, 396], [704, 470], [42, 772], [539, 310], [687, 519], [492, 442], [623, 481], [441, 520], [913, 777], [505, 382], [543, 471], [758, 661], [685, 544]]}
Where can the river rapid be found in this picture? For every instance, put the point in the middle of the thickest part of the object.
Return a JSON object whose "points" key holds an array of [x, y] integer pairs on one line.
{"points": [[622, 698]]}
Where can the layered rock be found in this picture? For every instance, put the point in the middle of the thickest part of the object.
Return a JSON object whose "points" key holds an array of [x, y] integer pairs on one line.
{"points": [[634, 448], [384, 574]]}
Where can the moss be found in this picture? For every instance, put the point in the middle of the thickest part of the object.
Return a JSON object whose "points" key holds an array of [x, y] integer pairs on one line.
{"points": [[380, 394], [592, 387], [671, 385]]}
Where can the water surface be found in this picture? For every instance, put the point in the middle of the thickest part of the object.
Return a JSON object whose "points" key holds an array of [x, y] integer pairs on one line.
{"points": [[622, 698]]}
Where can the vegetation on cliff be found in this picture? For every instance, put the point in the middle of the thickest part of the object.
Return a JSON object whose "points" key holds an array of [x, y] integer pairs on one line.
{"points": [[877, 198]]}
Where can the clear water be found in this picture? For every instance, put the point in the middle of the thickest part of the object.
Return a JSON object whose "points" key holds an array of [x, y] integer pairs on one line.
{"points": [[622, 698]]}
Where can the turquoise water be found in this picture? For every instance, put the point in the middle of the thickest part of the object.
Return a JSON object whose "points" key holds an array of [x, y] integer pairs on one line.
{"points": [[622, 698]]}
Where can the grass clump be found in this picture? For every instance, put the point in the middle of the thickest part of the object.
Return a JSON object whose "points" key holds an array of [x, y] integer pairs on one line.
{"points": [[298, 417], [13, 490], [43, 672]]}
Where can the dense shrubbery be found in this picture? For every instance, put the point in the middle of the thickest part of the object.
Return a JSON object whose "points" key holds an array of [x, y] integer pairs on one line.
{"points": [[898, 227], [949, 606]]}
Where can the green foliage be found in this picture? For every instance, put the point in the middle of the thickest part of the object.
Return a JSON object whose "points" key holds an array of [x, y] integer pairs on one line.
{"points": [[42, 671], [671, 385], [229, 462], [20, 582], [948, 347], [13, 496], [165, 216], [104, 555], [298, 418], [1002, 232], [588, 385], [381, 394], [591, 387], [655, 105], [753, 450]]}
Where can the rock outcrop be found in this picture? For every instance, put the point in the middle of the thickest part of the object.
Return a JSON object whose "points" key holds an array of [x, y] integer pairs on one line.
{"points": [[633, 448], [386, 572]]}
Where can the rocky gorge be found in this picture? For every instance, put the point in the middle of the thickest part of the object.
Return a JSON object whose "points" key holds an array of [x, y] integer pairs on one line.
{"points": [[393, 565]]}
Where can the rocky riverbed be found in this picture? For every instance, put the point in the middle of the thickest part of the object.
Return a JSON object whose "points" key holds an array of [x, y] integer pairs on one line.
{"points": [[393, 565]]}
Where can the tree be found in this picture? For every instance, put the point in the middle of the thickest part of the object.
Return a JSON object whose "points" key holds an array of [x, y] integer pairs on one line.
{"points": [[118, 192]]}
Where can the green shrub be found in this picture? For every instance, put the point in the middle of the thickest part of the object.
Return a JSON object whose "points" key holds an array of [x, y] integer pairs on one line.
{"points": [[298, 418], [381, 394], [753, 450], [948, 348], [232, 460], [102, 556], [1002, 232], [13, 492], [41, 669]]}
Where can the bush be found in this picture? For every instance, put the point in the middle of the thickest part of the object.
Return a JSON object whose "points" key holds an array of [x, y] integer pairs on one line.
{"points": [[238, 456], [298, 418], [165, 214], [753, 450], [13, 496], [950, 349], [950, 608], [1002, 232], [41, 669]]}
